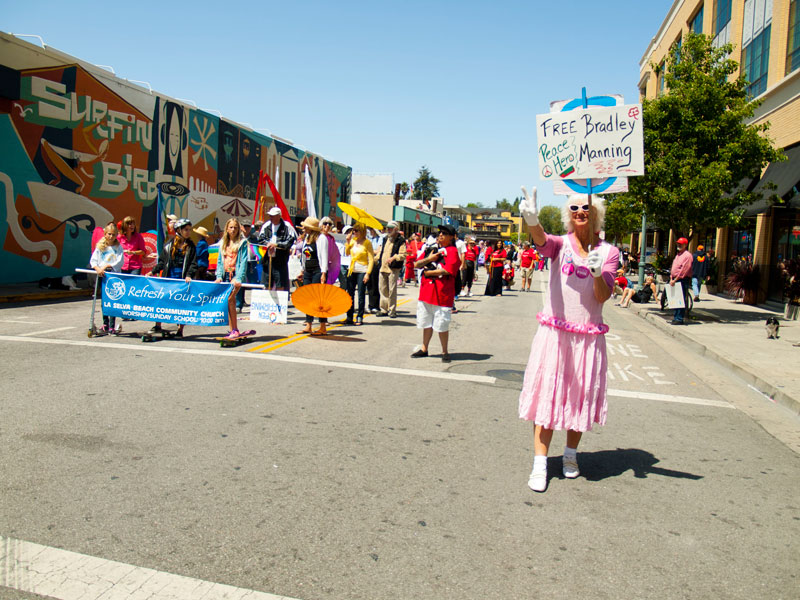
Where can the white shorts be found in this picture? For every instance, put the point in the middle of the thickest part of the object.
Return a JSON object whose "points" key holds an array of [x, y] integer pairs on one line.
{"points": [[430, 315]]}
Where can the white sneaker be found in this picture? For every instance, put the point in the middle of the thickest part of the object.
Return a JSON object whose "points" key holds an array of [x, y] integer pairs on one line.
{"points": [[538, 480], [570, 467]]}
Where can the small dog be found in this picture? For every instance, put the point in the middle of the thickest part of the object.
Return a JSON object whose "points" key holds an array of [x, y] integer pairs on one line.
{"points": [[772, 328]]}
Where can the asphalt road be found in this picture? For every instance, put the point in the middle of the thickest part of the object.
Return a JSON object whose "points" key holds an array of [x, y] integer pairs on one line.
{"points": [[341, 468]]}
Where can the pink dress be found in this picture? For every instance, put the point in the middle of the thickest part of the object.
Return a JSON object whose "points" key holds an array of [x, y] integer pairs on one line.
{"points": [[565, 380]]}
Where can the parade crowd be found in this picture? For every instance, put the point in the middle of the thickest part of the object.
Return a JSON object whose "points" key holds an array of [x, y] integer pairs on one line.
{"points": [[564, 386]]}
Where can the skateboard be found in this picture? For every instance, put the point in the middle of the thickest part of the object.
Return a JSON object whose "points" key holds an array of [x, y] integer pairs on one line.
{"points": [[164, 334], [226, 342]]}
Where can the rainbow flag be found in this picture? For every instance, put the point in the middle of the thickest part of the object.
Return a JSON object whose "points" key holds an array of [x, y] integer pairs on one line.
{"points": [[257, 252], [213, 257]]}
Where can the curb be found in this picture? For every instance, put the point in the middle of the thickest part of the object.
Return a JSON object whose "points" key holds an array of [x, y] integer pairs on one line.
{"points": [[38, 296], [765, 387]]}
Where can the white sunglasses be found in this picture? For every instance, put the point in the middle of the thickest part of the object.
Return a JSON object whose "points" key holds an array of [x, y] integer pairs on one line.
{"points": [[576, 207]]}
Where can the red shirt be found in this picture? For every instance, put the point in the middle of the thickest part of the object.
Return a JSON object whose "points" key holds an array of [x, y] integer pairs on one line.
{"points": [[527, 257], [441, 291], [471, 253], [498, 258]]}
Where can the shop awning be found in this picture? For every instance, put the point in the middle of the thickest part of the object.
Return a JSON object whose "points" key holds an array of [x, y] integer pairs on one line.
{"points": [[786, 177]]}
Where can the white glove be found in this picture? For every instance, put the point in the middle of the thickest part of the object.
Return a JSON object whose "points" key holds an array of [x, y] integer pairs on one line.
{"points": [[595, 262], [528, 207]]}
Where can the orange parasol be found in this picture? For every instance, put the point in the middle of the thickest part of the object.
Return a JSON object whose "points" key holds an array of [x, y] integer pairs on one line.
{"points": [[360, 215], [321, 300]]}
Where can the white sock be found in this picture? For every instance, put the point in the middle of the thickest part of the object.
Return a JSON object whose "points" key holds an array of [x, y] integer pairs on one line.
{"points": [[570, 452], [540, 463]]}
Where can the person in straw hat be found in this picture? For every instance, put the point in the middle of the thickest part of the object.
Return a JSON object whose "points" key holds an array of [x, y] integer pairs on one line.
{"points": [[202, 253], [314, 257]]}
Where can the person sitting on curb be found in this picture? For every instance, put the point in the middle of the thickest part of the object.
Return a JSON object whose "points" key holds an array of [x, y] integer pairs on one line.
{"points": [[437, 291], [643, 296]]}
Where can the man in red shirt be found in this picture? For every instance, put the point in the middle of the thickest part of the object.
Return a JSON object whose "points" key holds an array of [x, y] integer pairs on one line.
{"points": [[437, 290], [681, 272], [526, 258]]}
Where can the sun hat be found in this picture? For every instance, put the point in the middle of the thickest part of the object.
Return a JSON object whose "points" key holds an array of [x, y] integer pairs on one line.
{"points": [[311, 223], [274, 212], [201, 231], [682, 240], [391, 224]]}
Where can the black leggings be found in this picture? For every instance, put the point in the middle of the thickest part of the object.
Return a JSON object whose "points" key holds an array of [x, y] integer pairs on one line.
{"points": [[313, 276], [469, 274]]}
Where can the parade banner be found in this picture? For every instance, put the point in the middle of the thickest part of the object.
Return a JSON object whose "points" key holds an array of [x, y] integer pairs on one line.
{"points": [[597, 142], [165, 300], [269, 307]]}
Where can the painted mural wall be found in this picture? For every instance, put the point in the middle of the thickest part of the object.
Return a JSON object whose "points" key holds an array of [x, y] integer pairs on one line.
{"points": [[81, 148]]}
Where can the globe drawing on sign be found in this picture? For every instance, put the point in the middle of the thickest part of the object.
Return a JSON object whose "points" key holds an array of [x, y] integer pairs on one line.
{"points": [[603, 184], [115, 290]]}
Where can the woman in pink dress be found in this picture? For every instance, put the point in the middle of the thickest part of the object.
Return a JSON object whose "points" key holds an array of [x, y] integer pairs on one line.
{"points": [[565, 380]]}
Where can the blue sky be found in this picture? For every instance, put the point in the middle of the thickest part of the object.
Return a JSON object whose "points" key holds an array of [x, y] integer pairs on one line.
{"points": [[382, 87]]}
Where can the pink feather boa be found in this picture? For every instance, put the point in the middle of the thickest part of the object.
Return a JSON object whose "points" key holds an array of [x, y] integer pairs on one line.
{"points": [[586, 328]]}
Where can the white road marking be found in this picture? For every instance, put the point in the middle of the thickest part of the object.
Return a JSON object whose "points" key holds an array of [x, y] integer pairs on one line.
{"points": [[255, 356], [66, 575], [23, 322], [45, 331], [668, 398], [656, 374]]}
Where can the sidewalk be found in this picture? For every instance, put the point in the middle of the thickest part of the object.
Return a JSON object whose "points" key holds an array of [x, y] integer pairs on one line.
{"points": [[734, 335], [31, 292]]}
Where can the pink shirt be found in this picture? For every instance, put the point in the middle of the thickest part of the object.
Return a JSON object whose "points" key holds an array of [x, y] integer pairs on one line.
{"points": [[132, 261], [681, 265]]}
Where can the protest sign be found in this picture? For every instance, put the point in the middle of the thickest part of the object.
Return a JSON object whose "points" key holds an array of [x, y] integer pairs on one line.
{"points": [[586, 143], [618, 185], [165, 300], [269, 307], [675, 295]]}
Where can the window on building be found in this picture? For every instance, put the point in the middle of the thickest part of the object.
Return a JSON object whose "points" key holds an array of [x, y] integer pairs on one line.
{"points": [[755, 61], [676, 50], [722, 22], [696, 24], [756, 29], [793, 41], [662, 73]]}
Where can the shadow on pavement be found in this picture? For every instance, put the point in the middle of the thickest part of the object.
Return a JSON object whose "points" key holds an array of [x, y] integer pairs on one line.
{"points": [[596, 466], [469, 356]]}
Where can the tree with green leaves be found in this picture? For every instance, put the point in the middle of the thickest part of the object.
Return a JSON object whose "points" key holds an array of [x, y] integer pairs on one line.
{"points": [[623, 216], [512, 207], [697, 147], [426, 186], [475, 205], [404, 188], [550, 219]]}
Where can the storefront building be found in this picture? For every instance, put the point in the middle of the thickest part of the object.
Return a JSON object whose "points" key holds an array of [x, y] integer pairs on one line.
{"points": [[766, 39]]}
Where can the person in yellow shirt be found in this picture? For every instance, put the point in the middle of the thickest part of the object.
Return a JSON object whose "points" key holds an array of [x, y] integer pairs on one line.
{"points": [[362, 259]]}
